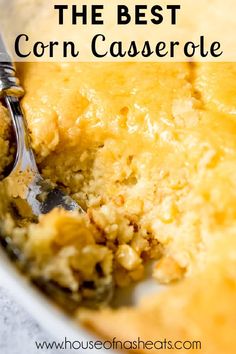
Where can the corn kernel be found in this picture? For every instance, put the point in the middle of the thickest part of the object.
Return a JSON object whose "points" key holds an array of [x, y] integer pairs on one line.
{"points": [[127, 257]]}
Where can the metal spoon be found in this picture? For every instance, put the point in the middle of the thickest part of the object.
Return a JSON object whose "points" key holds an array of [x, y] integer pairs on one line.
{"points": [[41, 195]]}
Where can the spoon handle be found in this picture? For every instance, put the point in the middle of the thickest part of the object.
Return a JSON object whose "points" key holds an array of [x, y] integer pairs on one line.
{"points": [[9, 84], [25, 159], [11, 91]]}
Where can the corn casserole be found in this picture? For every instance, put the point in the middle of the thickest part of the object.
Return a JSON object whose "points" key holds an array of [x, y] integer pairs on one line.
{"points": [[148, 150]]}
